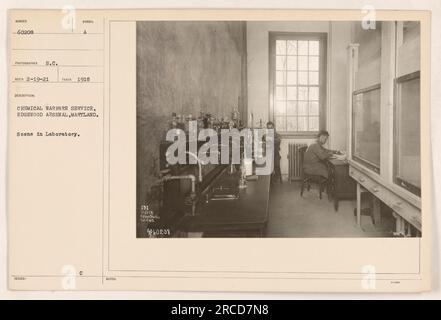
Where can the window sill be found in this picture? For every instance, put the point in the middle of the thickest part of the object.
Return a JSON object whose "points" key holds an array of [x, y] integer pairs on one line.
{"points": [[300, 135]]}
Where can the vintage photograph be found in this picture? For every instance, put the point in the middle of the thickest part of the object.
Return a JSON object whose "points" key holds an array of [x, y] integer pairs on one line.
{"points": [[278, 129]]}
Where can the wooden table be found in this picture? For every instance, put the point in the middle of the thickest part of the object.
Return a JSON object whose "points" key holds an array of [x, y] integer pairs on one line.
{"points": [[341, 185], [247, 213]]}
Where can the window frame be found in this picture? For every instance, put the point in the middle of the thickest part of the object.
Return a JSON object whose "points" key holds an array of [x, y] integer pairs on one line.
{"points": [[322, 38], [369, 165], [406, 185]]}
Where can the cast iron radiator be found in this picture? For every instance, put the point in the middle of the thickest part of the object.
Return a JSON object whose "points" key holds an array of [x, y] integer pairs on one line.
{"points": [[294, 161]]}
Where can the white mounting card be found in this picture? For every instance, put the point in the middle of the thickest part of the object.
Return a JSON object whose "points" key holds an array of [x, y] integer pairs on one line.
{"points": [[93, 205]]}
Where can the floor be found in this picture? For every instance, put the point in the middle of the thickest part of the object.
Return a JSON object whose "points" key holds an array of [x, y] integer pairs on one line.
{"points": [[309, 217]]}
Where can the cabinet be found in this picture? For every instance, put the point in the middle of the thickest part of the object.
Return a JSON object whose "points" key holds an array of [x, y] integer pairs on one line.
{"points": [[384, 126], [341, 185]]}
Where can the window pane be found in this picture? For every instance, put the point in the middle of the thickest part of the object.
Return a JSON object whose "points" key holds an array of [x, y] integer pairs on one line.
{"points": [[280, 107], [408, 170], [313, 123], [291, 123], [292, 77], [297, 85], [292, 93], [314, 48], [291, 108], [280, 124], [369, 50], [313, 63], [313, 93], [280, 63], [303, 48], [292, 63], [303, 77], [303, 108], [314, 108], [313, 78], [366, 127], [281, 47], [411, 30], [303, 63], [292, 47], [280, 78], [280, 93], [303, 93], [303, 124]]}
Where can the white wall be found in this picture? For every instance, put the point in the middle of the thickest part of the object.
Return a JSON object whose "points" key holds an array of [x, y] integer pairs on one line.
{"points": [[339, 34]]}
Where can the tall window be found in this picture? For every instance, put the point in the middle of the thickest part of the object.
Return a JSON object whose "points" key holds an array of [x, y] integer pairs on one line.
{"points": [[297, 82]]}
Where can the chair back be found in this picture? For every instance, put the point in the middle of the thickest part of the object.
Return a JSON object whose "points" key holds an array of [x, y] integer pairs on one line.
{"points": [[302, 151]]}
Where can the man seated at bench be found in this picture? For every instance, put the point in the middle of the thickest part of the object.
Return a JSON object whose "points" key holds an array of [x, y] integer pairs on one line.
{"points": [[316, 154]]}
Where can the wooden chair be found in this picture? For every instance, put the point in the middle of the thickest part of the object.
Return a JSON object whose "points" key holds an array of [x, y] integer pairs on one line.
{"points": [[307, 179]]}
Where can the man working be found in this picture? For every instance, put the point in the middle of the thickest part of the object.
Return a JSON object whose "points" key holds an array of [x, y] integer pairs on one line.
{"points": [[316, 154]]}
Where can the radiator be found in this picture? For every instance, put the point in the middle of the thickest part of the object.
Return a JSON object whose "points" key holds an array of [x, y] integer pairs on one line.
{"points": [[294, 161]]}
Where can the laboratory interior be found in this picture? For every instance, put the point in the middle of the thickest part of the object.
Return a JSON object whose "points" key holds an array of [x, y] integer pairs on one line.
{"points": [[342, 97]]}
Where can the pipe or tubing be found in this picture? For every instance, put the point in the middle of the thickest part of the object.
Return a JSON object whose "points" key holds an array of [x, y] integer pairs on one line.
{"points": [[199, 164], [231, 162]]}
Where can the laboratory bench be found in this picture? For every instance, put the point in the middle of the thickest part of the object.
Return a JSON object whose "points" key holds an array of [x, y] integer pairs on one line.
{"points": [[231, 211]]}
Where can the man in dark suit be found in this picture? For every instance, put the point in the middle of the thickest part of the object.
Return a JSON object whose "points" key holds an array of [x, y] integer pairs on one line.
{"points": [[277, 174], [316, 154]]}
